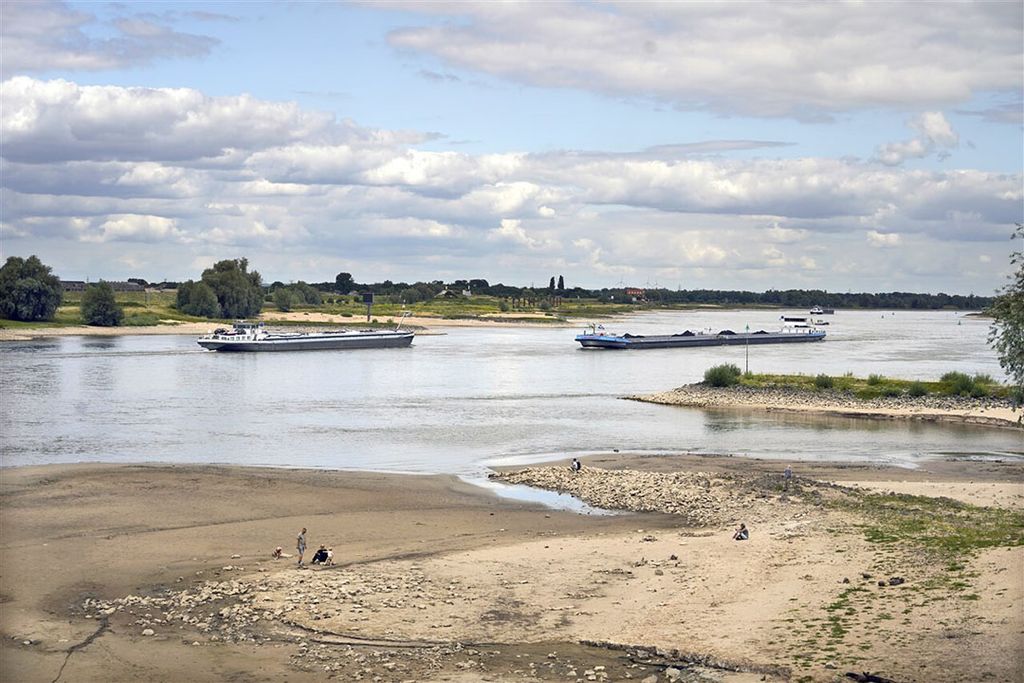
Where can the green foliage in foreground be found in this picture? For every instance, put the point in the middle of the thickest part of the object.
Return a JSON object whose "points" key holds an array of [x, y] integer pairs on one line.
{"points": [[1007, 335], [722, 375], [99, 306], [951, 384]]}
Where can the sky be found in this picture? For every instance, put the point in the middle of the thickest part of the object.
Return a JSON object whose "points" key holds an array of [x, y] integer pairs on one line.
{"points": [[845, 146]]}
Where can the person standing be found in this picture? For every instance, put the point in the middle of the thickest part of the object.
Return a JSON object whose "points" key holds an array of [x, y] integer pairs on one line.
{"points": [[300, 544], [786, 476]]}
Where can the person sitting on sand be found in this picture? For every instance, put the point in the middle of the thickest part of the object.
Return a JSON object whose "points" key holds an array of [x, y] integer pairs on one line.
{"points": [[320, 556], [278, 552], [576, 466], [330, 557], [741, 533]]}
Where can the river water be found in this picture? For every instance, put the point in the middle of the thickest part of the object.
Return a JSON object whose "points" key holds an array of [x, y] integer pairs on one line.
{"points": [[455, 402]]}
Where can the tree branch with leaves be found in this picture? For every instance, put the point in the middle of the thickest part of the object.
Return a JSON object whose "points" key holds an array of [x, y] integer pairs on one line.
{"points": [[1007, 333]]}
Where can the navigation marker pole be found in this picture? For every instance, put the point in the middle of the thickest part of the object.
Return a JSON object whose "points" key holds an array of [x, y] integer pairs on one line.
{"points": [[747, 352], [368, 300]]}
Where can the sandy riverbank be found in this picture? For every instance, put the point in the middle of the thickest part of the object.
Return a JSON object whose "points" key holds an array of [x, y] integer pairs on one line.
{"points": [[985, 411], [426, 325], [438, 580]]}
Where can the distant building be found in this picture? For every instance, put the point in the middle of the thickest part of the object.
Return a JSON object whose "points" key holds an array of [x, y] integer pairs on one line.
{"points": [[636, 293], [80, 285]]}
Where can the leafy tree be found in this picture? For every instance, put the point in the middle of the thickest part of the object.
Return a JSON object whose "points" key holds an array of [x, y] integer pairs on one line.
{"points": [[196, 298], [28, 290], [99, 306], [1007, 333], [284, 298], [306, 293], [551, 285], [343, 283], [239, 292], [561, 283]]}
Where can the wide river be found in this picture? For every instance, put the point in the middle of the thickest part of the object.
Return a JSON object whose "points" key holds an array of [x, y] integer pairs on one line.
{"points": [[454, 402]]}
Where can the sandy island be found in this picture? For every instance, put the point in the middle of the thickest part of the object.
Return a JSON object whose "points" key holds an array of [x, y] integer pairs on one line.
{"points": [[163, 573], [980, 411]]}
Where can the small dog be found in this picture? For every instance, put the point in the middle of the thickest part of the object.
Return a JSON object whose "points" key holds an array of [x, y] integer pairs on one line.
{"points": [[330, 556]]}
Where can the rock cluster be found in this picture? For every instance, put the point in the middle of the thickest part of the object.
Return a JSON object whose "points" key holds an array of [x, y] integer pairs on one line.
{"points": [[703, 499], [223, 610]]}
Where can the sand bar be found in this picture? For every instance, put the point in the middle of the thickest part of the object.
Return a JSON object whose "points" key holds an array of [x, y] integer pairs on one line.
{"points": [[986, 411], [163, 573]]}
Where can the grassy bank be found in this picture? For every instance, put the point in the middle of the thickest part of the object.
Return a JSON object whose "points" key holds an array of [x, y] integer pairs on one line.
{"points": [[872, 386]]}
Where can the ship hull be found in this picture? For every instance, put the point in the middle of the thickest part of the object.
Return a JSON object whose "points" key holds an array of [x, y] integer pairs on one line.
{"points": [[325, 342], [592, 341]]}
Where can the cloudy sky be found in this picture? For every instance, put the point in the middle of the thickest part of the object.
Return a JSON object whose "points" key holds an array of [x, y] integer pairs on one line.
{"points": [[846, 146]]}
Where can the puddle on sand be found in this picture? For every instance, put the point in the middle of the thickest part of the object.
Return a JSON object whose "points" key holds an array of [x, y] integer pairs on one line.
{"points": [[529, 494]]}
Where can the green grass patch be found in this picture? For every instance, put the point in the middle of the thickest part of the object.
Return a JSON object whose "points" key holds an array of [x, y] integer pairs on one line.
{"points": [[950, 527], [875, 386]]}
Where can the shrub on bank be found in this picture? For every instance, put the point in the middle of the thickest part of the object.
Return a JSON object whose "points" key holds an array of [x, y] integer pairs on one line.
{"points": [[961, 384], [823, 382], [722, 375], [875, 380], [917, 389]]}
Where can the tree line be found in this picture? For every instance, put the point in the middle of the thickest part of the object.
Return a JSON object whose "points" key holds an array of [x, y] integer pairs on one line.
{"points": [[228, 289]]}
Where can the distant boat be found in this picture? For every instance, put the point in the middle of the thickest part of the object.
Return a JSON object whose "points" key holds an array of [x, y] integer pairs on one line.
{"points": [[794, 318], [252, 336], [602, 340], [818, 310]]}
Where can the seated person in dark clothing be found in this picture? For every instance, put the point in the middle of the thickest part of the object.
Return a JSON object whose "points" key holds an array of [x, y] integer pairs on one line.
{"points": [[741, 533], [320, 556]]}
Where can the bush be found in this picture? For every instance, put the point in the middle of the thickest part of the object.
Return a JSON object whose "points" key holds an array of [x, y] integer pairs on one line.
{"points": [[823, 382], [503, 306], [917, 389], [875, 380], [956, 383], [722, 375], [28, 290], [99, 307]]}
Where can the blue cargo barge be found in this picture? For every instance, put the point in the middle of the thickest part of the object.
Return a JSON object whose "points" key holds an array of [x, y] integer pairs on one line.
{"points": [[603, 340]]}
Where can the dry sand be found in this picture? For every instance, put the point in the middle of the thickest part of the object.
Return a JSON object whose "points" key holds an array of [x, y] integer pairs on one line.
{"points": [[439, 580]]}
